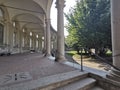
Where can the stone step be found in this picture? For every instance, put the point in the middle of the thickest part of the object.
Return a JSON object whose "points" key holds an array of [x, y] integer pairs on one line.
{"points": [[113, 76], [96, 88], [49, 82], [83, 84], [64, 79]]}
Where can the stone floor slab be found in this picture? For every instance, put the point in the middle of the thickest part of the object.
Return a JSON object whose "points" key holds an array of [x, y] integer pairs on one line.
{"points": [[14, 78]]}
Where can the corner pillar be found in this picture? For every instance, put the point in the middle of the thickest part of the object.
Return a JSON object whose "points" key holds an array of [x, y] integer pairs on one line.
{"points": [[115, 23], [60, 31]]}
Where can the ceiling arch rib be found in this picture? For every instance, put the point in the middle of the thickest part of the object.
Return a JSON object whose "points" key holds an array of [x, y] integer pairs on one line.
{"points": [[46, 5], [34, 27], [26, 17], [43, 4]]}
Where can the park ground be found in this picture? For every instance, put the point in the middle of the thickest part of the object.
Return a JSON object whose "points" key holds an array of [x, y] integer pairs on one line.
{"points": [[88, 61]]}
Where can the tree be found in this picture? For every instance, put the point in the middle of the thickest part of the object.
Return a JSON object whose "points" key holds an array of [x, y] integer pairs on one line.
{"points": [[89, 24]]}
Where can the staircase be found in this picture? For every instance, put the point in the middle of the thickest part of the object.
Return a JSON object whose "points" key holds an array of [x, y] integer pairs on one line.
{"points": [[74, 80], [83, 84]]}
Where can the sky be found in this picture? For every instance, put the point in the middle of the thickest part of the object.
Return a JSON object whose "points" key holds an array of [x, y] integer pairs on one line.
{"points": [[68, 5]]}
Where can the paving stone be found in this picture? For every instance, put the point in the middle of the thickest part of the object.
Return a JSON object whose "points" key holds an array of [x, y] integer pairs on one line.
{"points": [[14, 78], [36, 64]]}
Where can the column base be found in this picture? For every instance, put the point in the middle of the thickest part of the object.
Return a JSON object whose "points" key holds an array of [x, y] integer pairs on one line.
{"points": [[60, 59], [47, 55], [114, 75]]}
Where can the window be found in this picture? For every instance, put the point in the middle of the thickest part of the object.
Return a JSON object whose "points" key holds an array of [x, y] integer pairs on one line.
{"points": [[14, 24], [37, 36], [30, 33], [23, 30], [42, 38], [1, 34]]}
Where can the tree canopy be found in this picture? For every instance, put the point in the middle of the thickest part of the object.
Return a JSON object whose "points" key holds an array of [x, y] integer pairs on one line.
{"points": [[89, 24]]}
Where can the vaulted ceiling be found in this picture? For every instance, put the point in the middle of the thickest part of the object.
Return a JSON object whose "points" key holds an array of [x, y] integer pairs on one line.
{"points": [[30, 14]]}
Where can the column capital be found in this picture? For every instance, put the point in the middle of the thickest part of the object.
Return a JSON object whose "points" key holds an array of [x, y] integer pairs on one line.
{"points": [[47, 19], [60, 3]]}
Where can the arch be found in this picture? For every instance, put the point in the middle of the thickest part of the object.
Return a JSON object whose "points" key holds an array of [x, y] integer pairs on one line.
{"points": [[42, 3], [29, 21], [26, 16]]}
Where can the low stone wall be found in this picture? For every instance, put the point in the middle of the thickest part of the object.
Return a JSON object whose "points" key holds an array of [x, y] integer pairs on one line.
{"points": [[106, 83]]}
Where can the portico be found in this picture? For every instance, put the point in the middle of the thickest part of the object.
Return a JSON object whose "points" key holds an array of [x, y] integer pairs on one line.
{"points": [[22, 25], [25, 25]]}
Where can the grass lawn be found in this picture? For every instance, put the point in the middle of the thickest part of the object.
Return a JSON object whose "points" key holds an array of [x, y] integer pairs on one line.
{"points": [[71, 53], [109, 53]]}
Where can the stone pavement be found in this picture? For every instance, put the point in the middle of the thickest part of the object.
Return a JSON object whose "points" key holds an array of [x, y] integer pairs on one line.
{"points": [[35, 64]]}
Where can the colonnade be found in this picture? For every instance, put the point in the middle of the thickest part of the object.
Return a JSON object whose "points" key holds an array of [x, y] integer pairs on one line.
{"points": [[60, 50]]}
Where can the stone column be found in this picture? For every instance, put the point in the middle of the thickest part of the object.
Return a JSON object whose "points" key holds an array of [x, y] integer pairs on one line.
{"points": [[25, 40], [34, 41], [20, 40], [44, 48], [40, 43], [11, 31], [6, 33], [48, 38], [28, 41], [35, 44], [115, 23], [55, 43], [60, 31]]}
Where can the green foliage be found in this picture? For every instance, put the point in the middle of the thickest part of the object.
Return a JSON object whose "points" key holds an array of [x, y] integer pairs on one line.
{"points": [[89, 24]]}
